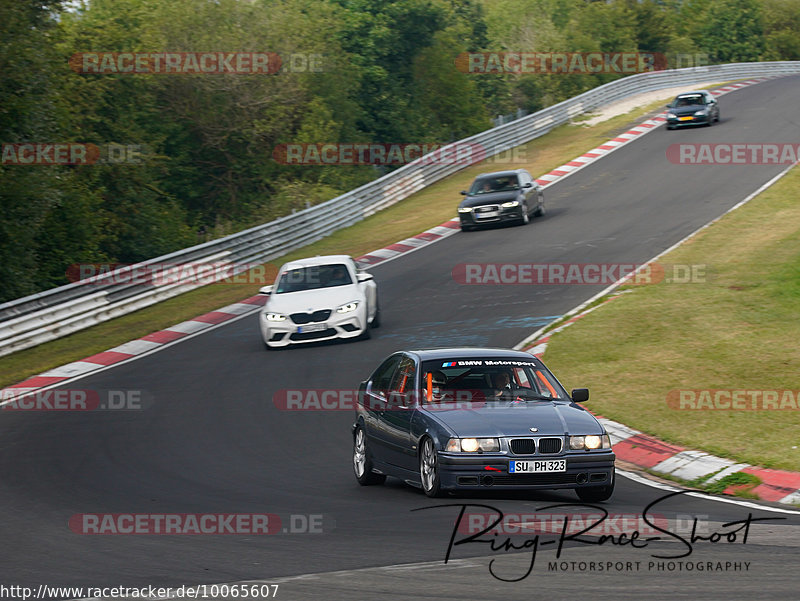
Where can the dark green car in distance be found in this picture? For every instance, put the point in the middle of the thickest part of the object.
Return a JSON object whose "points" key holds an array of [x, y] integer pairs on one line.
{"points": [[693, 108]]}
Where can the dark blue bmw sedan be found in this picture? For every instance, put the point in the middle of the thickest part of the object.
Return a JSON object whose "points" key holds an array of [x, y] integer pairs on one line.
{"points": [[475, 419]]}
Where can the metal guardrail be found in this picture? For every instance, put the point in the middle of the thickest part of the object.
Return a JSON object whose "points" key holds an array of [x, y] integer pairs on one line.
{"points": [[48, 315]]}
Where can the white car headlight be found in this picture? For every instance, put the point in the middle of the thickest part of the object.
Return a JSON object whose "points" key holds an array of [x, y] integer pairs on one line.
{"points": [[348, 307], [700, 113], [276, 317], [589, 443], [671, 116], [508, 205], [473, 445], [592, 442], [465, 209]]}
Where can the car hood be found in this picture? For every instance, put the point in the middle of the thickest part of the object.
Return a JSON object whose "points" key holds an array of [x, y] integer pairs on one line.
{"points": [[687, 110], [313, 300], [488, 199], [495, 420]]}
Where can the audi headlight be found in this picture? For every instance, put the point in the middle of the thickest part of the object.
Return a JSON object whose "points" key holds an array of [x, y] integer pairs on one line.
{"points": [[511, 204], [276, 317], [465, 209], [589, 442], [472, 445], [347, 308]]}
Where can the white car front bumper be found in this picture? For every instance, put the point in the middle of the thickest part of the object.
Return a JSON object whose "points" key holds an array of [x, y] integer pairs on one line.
{"points": [[337, 325]]}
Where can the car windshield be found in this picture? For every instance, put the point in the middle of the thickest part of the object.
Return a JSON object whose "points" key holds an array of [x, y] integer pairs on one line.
{"points": [[313, 278], [692, 100], [488, 380], [488, 185]]}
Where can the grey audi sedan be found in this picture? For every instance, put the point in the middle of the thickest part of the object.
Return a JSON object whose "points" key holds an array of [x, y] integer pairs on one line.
{"points": [[455, 419], [501, 197]]}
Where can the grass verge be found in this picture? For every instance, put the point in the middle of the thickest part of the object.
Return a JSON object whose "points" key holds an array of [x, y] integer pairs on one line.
{"points": [[427, 208], [734, 329]]}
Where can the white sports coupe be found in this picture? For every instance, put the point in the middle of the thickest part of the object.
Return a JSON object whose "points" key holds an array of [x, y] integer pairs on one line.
{"points": [[319, 298]]}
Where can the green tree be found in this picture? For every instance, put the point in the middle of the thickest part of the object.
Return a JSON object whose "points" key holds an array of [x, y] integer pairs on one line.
{"points": [[733, 31]]}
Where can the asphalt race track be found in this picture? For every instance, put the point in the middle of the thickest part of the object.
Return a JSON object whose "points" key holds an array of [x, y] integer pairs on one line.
{"points": [[211, 439]]}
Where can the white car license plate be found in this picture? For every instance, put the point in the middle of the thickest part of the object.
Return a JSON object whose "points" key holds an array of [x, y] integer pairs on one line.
{"points": [[486, 215], [536, 467], [314, 327]]}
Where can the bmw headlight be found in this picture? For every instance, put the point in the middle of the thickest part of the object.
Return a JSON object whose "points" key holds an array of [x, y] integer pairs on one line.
{"points": [[347, 308], [671, 116], [465, 209], [276, 317], [589, 442], [508, 205], [472, 445]]}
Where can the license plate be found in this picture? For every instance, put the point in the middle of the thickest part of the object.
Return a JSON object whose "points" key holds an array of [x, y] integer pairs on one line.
{"points": [[489, 214], [685, 118], [314, 327], [537, 467]]}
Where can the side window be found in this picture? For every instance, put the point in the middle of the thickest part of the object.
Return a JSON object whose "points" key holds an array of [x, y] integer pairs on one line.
{"points": [[403, 380], [524, 178], [521, 378], [545, 386], [383, 375]]}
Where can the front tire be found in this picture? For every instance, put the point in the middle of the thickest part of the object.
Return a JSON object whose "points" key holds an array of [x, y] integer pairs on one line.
{"points": [[540, 210], [429, 469], [376, 319], [362, 462], [526, 218]]}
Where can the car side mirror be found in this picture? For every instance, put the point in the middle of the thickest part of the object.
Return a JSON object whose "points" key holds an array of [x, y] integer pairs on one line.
{"points": [[463, 192], [265, 290], [580, 395], [364, 277], [528, 185]]}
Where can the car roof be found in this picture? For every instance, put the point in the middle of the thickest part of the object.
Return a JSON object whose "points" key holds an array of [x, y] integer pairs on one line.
{"points": [[499, 173], [694, 93], [468, 352], [319, 260]]}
